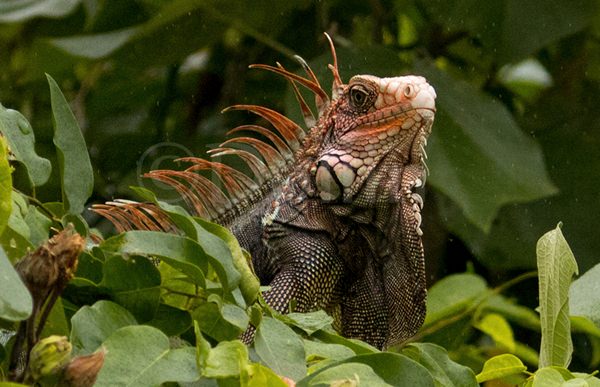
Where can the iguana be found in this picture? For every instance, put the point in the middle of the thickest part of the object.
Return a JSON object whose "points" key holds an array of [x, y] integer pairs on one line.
{"points": [[332, 220]]}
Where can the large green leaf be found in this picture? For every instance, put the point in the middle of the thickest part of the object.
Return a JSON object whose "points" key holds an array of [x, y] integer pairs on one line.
{"points": [[220, 321], [92, 325], [393, 368], [280, 348], [141, 356], [134, 283], [584, 295], [77, 177], [20, 10], [444, 371], [179, 252], [15, 300], [556, 267], [348, 374], [21, 141], [478, 152], [512, 29]]}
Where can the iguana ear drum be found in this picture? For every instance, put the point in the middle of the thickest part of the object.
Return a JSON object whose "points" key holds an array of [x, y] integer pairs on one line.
{"points": [[333, 177]]}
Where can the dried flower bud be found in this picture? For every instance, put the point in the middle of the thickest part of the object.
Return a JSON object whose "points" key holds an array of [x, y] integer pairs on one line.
{"points": [[83, 370], [49, 356]]}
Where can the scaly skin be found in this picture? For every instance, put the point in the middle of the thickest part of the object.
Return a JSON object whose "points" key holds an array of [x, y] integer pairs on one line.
{"points": [[344, 234], [335, 225]]}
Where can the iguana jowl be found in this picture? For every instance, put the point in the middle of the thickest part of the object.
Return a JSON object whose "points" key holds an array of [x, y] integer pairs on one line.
{"points": [[332, 221]]}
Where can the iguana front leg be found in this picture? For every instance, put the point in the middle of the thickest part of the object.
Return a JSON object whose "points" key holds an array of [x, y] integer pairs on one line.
{"points": [[310, 270]]}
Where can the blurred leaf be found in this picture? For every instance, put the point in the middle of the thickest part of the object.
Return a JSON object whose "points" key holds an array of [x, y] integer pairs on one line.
{"points": [[140, 356], [134, 283], [92, 325], [39, 225], [452, 294], [479, 156], [21, 10], [280, 348], [21, 141], [393, 368], [556, 267], [500, 367], [495, 326], [5, 184], [182, 253], [513, 29], [512, 311], [444, 371], [76, 173], [15, 301], [95, 46], [584, 295], [550, 377]]}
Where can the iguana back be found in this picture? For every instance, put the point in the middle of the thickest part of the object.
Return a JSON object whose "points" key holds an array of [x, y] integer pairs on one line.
{"points": [[330, 219]]}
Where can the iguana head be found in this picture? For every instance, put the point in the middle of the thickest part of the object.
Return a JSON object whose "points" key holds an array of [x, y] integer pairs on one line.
{"points": [[370, 117]]}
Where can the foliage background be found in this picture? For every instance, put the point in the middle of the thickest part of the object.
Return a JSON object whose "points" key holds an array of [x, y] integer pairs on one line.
{"points": [[515, 147]]}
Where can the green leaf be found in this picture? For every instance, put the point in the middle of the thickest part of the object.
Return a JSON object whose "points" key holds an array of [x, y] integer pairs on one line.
{"points": [[358, 346], [249, 284], [180, 252], [92, 325], [171, 321], [97, 45], [15, 301], [134, 283], [309, 322], [21, 141], [477, 154], [495, 326], [444, 371], [220, 321], [316, 350], [77, 177], [224, 360], [549, 377], [500, 367], [393, 368], [280, 348], [12, 11], [5, 184], [556, 267], [452, 294], [140, 356], [260, 376], [348, 374], [512, 311], [584, 295]]}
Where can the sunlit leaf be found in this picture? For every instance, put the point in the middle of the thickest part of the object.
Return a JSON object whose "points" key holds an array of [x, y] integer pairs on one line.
{"points": [[495, 326], [556, 267], [501, 366]]}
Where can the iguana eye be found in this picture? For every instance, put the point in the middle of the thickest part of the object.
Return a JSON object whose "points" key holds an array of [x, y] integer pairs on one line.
{"points": [[358, 96]]}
